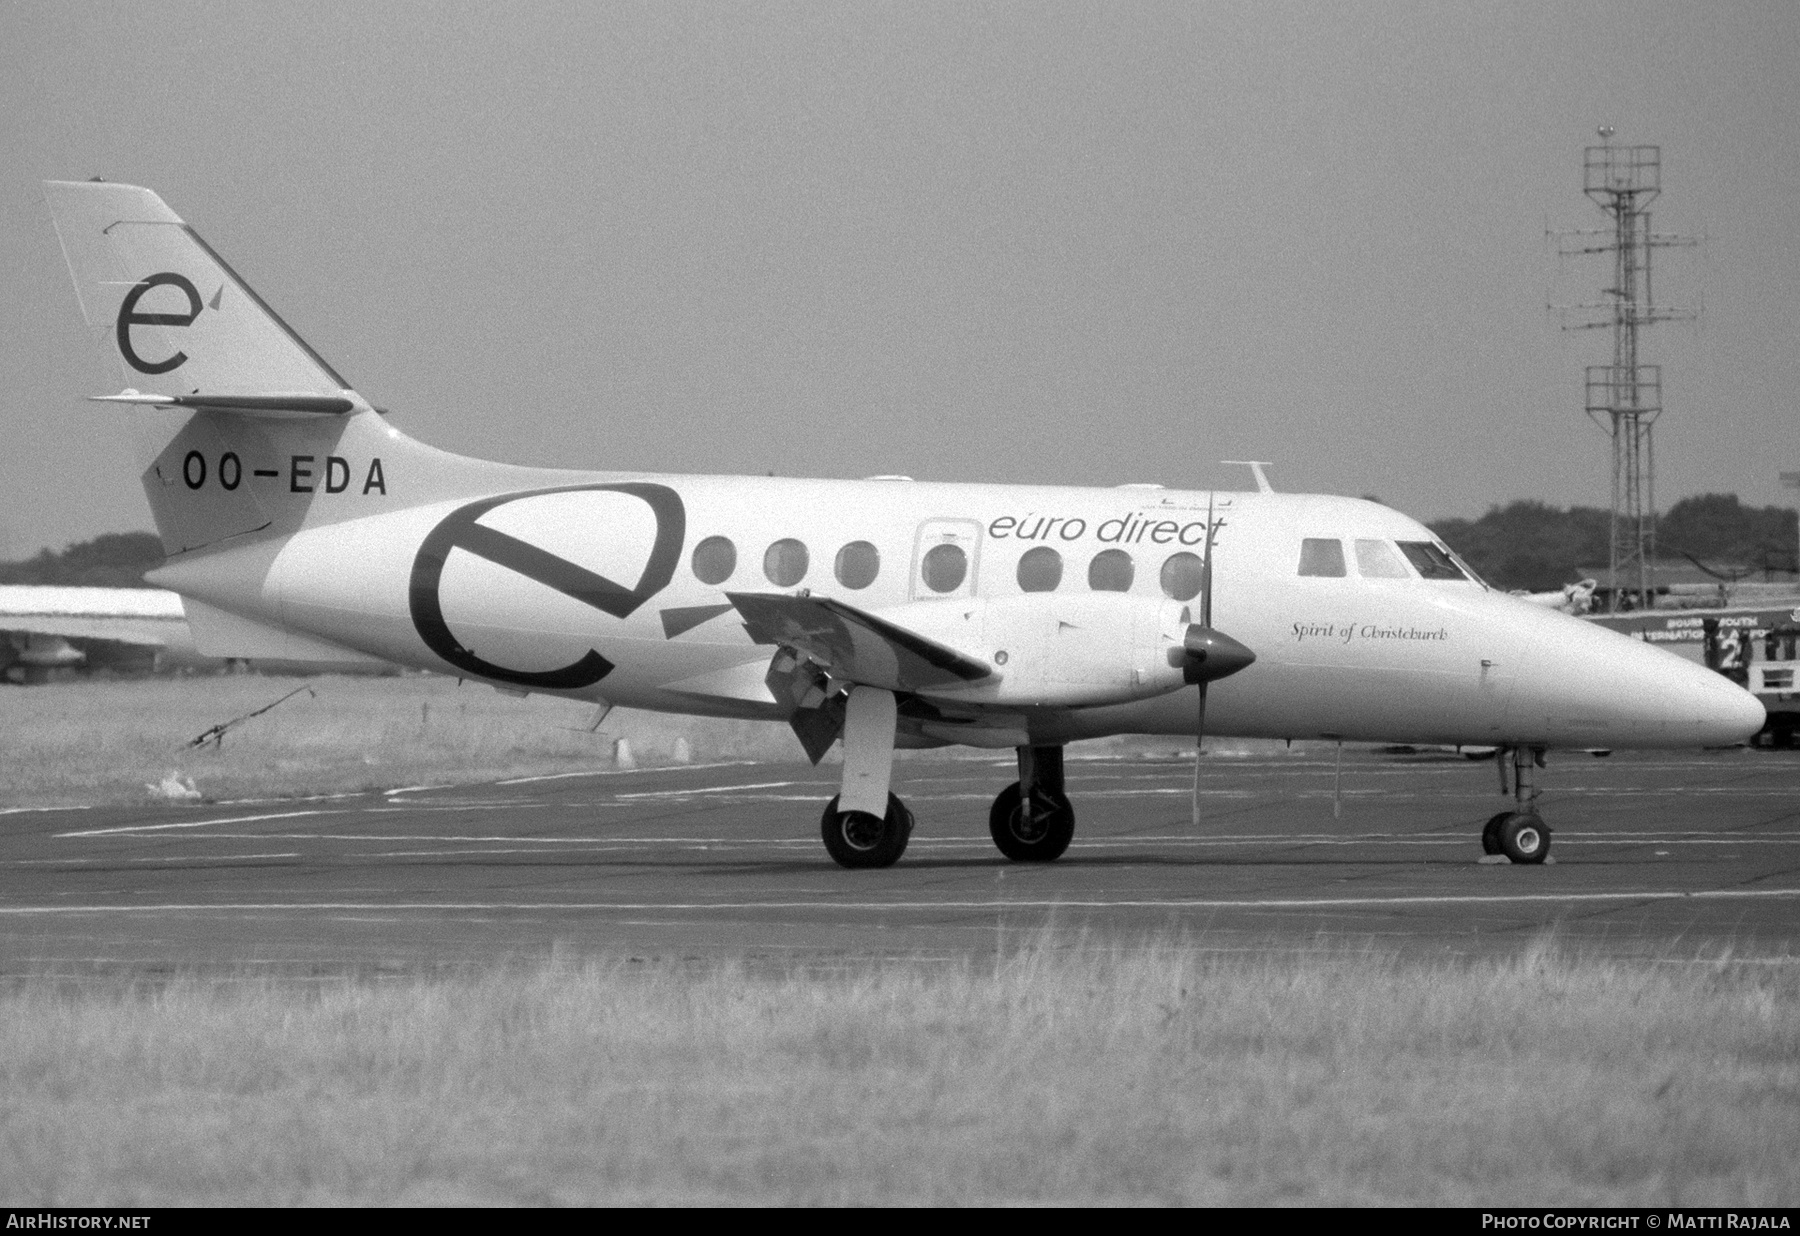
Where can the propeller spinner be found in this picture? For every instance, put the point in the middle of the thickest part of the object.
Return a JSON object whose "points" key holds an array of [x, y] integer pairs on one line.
{"points": [[1207, 655]]}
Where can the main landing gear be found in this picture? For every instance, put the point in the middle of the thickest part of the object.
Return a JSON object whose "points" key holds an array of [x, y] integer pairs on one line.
{"points": [[866, 825], [1031, 819], [859, 839], [1519, 834]]}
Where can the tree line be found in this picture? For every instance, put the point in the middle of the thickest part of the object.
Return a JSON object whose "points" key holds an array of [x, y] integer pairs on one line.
{"points": [[114, 560], [1532, 545]]}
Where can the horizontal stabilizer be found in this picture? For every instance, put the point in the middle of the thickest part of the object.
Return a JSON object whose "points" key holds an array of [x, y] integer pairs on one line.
{"points": [[275, 404], [854, 646]]}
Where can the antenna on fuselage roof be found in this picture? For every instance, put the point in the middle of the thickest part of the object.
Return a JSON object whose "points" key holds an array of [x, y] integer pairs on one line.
{"points": [[1256, 467]]}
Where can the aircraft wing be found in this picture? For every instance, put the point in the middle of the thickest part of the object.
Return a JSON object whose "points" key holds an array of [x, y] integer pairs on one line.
{"points": [[855, 646]]}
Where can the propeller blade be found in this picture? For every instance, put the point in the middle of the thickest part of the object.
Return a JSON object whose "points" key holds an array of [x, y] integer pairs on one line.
{"points": [[1193, 659], [1199, 737], [1206, 574]]}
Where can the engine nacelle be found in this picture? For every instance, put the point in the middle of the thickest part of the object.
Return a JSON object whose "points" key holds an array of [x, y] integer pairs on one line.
{"points": [[1073, 650]]}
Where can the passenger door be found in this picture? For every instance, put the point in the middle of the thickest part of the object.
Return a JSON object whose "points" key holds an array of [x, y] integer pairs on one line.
{"points": [[946, 558]]}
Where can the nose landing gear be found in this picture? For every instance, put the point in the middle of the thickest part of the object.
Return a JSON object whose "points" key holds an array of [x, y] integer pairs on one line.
{"points": [[1519, 834]]}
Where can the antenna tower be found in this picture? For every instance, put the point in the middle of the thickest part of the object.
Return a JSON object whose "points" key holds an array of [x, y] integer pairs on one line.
{"points": [[1625, 397]]}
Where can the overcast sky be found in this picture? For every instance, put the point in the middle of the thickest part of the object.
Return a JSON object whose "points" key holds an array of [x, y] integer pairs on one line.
{"points": [[1067, 243]]}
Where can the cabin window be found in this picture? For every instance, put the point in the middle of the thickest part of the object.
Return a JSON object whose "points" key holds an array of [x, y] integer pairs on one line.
{"points": [[858, 563], [1319, 556], [1376, 560], [1182, 575], [1040, 570], [715, 559], [785, 563], [1430, 560], [944, 568], [1111, 571]]}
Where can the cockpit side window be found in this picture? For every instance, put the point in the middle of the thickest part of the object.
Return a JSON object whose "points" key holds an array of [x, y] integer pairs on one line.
{"points": [[1319, 556], [1377, 560], [1430, 560]]}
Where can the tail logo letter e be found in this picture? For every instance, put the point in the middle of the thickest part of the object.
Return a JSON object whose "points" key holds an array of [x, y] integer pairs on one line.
{"points": [[130, 317]]}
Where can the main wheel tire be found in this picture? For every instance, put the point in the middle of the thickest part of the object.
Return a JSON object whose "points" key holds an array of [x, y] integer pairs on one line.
{"points": [[1490, 835], [1524, 837], [1039, 836], [857, 839]]}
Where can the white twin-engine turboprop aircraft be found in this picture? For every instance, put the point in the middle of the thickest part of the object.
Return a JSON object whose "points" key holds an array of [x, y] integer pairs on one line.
{"points": [[880, 613]]}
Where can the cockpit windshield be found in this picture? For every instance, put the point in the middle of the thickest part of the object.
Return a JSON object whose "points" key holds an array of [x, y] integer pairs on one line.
{"points": [[1377, 559], [1466, 568], [1431, 561]]}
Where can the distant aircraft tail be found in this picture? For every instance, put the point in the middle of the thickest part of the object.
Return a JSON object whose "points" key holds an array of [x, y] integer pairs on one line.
{"points": [[179, 319]]}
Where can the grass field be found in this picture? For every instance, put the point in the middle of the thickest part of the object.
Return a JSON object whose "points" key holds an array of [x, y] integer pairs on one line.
{"points": [[1060, 1073]]}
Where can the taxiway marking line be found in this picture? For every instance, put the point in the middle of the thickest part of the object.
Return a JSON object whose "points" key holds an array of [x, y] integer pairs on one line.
{"points": [[715, 789], [610, 772], [1273, 903], [235, 819], [166, 858]]}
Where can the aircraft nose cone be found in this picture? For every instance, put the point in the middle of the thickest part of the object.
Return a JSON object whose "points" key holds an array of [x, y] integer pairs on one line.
{"points": [[1737, 714], [1700, 705], [1586, 686]]}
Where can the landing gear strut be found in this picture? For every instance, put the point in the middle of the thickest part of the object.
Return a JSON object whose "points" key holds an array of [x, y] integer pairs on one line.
{"points": [[872, 826], [1031, 819], [1520, 834]]}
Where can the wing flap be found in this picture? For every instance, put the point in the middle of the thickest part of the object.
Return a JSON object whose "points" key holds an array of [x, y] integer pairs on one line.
{"points": [[853, 645]]}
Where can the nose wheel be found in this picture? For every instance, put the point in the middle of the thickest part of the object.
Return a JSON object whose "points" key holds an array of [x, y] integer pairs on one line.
{"points": [[1519, 834]]}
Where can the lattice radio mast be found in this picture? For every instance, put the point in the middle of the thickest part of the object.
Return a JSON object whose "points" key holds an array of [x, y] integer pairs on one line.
{"points": [[1625, 397]]}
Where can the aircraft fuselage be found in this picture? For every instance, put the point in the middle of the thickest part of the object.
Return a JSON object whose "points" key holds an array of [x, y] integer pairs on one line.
{"points": [[410, 573]]}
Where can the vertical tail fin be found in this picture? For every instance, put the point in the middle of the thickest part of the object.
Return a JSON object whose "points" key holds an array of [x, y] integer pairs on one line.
{"points": [[264, 419], [179, 319]]}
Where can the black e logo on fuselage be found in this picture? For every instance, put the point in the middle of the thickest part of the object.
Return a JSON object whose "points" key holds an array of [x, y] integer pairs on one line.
{"points": [[130, 317], [460, 531]]}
